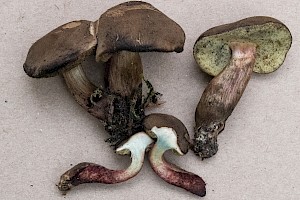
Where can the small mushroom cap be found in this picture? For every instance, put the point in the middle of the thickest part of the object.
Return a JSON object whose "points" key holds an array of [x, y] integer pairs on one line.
{"points": [[139, 27], [163, 120], [272, 37], [64, 47]]}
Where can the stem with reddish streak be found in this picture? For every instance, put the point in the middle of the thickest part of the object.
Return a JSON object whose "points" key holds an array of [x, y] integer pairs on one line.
{"points": [[94, 173], [220, 98], [173, 174]]}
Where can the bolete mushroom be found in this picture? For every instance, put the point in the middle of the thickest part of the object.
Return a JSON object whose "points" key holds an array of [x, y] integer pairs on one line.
{"points": [[93, 173], [62, 51], [129, 28], [115, 39], [171, 134], [230, 53]]}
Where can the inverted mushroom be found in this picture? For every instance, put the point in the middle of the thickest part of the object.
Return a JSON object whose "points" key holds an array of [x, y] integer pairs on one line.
{"points": [[230, 53], [93, 173], [171, 134]]}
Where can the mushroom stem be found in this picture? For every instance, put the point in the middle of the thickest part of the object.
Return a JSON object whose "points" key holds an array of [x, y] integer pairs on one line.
{"points": [[93, 173], [124, 78], [82, 90], [120, 105], [220, 98], [167, 140], [125, 73]]}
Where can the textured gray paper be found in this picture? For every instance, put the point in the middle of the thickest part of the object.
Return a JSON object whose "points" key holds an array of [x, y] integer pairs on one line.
{"points": [[43, 130]]}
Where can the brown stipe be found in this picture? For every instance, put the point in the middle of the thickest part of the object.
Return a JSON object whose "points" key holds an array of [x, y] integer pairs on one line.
{"points": [[220, 98], [93, 99]]}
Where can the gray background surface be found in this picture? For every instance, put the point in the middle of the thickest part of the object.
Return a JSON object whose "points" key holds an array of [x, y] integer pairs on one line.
{"points": [[43, 130]]}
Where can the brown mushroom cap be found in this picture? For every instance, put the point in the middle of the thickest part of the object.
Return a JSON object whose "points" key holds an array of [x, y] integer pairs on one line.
{"points": [[272, 37], [139, 27], [66, 46], [163, 120]]}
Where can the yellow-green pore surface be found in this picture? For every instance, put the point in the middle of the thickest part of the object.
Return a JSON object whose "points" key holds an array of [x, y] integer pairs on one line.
{"points": [[273, 41]]}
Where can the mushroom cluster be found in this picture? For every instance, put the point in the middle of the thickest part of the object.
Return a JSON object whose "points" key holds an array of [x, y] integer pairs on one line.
{"points": [[231, 53], [114, 40]]}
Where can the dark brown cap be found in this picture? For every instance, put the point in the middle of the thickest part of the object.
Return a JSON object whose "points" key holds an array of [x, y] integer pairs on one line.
{"points": [[163, 120], [139, 27], [272, 38], [66, 46]]}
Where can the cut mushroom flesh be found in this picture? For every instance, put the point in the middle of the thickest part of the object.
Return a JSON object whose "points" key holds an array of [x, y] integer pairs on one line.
{"points": [[93, 173], [167, 140]]}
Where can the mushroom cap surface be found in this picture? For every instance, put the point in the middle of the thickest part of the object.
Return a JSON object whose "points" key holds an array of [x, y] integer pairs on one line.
{"points": [[163, 120], [139, 27], [64, 47], [272, 37]]}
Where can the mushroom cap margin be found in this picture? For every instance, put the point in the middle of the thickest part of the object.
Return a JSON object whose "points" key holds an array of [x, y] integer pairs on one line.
{"points": [[139, 27], [63, 48]]}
